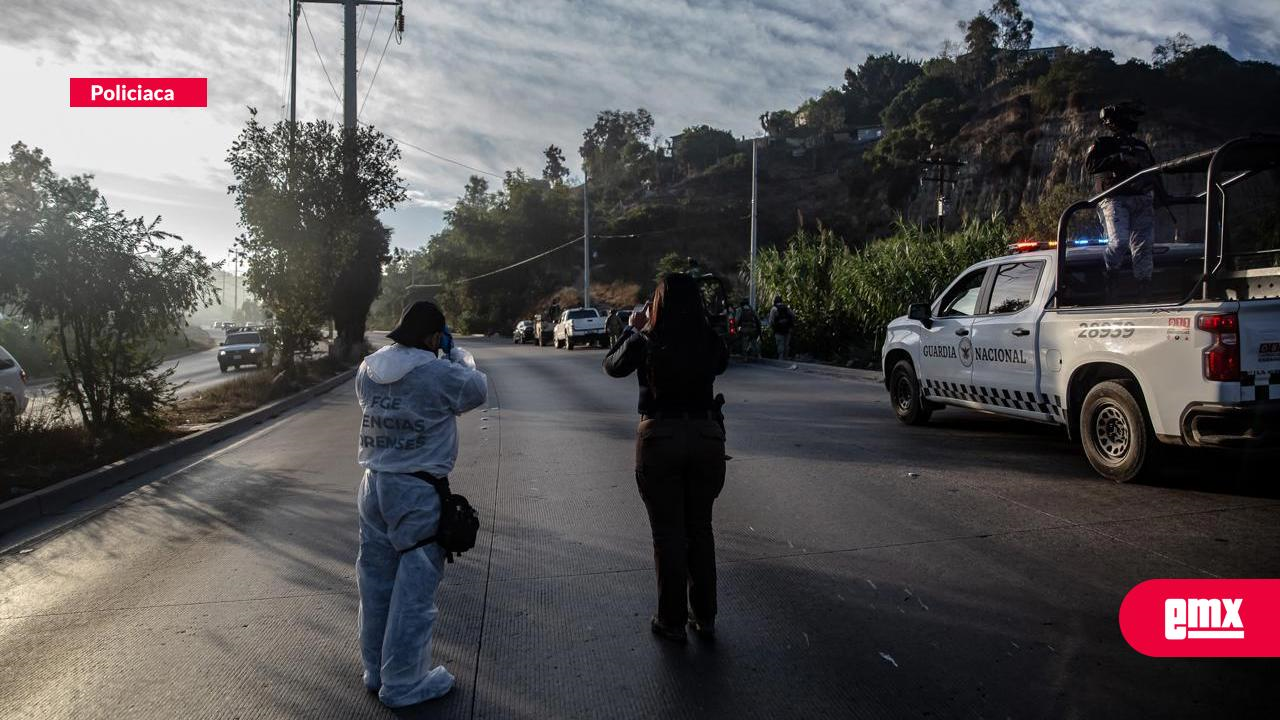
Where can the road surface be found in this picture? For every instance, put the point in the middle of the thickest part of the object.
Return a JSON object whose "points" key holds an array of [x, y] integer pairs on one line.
{"points": [[972, 568]]}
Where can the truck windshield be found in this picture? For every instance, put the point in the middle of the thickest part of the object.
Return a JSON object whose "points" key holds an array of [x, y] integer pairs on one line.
{"points": [[244, 339]]}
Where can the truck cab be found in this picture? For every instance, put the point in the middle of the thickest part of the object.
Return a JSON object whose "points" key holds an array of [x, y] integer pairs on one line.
{"points": [[1188, 359], [580, 326]]}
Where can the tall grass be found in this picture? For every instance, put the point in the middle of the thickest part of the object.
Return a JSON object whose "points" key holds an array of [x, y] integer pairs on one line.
{"points": [[843, 298]]}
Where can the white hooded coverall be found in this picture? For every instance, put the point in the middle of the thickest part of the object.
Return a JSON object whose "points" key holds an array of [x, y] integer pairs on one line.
{"points": [[409, 399]]}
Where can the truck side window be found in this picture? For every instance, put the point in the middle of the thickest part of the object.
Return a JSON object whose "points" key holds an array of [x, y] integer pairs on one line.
{"points": [[1014, 287], [963, 298]]}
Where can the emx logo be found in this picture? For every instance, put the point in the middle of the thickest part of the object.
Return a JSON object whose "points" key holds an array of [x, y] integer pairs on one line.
{"points": [[1203, 618]]}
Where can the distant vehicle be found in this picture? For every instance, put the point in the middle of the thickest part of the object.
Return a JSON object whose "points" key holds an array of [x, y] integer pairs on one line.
{"points": [[616, 324], [579, 326], [543, 329], [523, 332], [1189, 360], [13, 389], [244, 348]]}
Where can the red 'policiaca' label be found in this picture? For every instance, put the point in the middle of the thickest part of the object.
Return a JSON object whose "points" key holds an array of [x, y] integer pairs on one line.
{"points": [[139, 92], [1203, 618]]}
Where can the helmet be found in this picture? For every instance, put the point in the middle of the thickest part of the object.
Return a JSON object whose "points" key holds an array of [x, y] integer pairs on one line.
{"points": [[1122, 117]]}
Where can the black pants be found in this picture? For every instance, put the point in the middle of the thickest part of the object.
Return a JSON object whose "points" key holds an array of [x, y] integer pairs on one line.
{"points": [[680, 471]]}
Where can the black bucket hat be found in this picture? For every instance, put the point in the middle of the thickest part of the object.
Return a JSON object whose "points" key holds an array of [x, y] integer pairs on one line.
{"points": [[420, 320]]}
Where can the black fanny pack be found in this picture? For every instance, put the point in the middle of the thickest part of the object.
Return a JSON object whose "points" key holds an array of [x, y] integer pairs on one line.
{"points": [[459, 522]]}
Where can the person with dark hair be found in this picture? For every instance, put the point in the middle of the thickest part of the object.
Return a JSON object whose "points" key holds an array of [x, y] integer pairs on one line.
{"points": [[680, 461], [781, 321], [410, 394], [1128, 216]]}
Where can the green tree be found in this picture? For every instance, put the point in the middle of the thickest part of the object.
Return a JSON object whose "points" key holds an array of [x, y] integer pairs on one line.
{"points": [[824, 113], [614, 132], [555, 171], [877, 81], [981, 39], [314, 245], [1172, 49], [109, 288], [1015, 30], [778, 122], [702, 146]]}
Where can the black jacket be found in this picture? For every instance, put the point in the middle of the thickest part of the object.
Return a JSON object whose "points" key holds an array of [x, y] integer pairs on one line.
{"points": [[1113, 158], [632, 354]]}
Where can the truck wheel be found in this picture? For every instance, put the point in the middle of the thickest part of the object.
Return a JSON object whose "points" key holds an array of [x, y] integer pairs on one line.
{"points": [[904, 392], [1114, 431]]}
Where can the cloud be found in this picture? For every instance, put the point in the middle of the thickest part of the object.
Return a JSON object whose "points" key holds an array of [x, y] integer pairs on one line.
{"points": [[490, 83]]}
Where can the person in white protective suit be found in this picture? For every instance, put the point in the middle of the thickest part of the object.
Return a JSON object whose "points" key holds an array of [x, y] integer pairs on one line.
{"points": [[410, 398]]}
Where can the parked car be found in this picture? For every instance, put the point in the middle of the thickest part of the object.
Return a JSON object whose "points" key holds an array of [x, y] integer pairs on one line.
{"points": [[579, 326], [13, 389], [523, 332], [244, 348]]}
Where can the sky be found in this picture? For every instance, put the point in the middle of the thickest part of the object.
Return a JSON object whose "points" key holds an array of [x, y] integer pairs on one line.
{"points": [[487, 83]]}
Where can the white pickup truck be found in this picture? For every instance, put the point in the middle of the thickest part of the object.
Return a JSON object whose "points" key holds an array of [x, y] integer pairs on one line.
{"points": [[580, 326], [1039, 335]]}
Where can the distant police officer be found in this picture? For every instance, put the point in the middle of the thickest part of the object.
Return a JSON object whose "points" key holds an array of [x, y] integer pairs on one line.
{"points": [[1129, 215]]}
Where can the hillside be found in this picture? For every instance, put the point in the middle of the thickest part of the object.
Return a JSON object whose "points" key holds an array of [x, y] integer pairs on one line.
{"points": [[1020, 120]]}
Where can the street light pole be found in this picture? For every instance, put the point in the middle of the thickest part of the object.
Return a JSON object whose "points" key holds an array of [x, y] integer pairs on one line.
{"points": [[586, 245], [752, 267]]}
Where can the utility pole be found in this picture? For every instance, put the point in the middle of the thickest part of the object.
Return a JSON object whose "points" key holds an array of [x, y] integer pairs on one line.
{"points": [[586, 245], [752, 267], [293, 65], [348, 51], [943, 169]]}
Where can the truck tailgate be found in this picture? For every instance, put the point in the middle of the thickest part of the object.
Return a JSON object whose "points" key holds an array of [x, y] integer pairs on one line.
{"points": [[1260, 349]]}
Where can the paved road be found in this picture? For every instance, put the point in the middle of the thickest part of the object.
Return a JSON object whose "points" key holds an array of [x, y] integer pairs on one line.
{"points": [[192, 373], [969, 569]]}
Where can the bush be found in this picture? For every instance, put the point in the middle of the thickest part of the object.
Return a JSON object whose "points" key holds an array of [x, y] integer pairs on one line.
{"points": [[912, 265], [844, 299], [805, 273]]}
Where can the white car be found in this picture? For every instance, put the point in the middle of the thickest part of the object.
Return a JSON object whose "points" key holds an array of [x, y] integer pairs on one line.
{"points": [[1191, 359], [13, 388], [244, 348], [580, 326]]}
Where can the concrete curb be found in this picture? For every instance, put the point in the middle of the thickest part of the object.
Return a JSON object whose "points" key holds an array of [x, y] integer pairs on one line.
{"points": [[55, 498], [828, 370]]}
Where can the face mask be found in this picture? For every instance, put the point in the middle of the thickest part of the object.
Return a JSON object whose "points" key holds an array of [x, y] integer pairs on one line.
{"points": [[446, 341]]}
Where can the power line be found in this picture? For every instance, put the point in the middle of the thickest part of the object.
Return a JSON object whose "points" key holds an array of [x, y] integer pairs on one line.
{"points": [[372, 30], [369, 90], [439, 156], [318, 55], [514, 265], [562, 246], [671, 230]]}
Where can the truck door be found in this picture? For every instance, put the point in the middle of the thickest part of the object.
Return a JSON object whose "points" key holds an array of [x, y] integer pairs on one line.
{"points": [[1004, 343], [945, 352]]}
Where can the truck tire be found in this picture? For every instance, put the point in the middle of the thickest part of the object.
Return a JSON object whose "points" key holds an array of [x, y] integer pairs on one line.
{"points": [[1114, 431], [904, 394]]}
